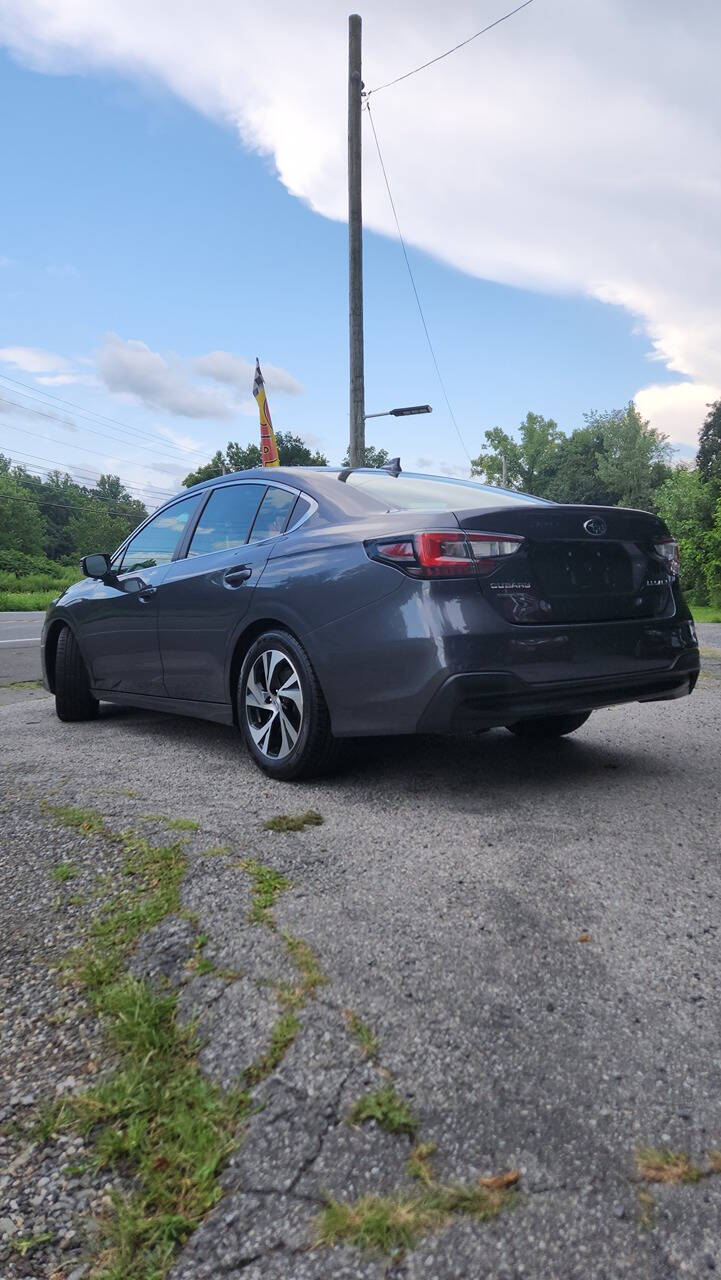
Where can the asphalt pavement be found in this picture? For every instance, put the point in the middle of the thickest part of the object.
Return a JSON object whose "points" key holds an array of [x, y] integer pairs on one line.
{"points": [[532, 932], [20, 646]]}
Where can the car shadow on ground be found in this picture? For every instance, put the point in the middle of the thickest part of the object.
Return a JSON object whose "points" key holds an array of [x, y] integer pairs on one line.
{"points": [[422, 764]]}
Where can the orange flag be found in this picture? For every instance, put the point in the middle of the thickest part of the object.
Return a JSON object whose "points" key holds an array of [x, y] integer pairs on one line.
{"points": [[268, 447]]}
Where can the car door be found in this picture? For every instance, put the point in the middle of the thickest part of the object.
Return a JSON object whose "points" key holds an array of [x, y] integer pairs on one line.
{"points": [[117, 621], [207, 591]]}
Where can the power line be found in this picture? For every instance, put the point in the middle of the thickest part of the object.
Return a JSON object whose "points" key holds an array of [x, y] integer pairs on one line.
{"points": [[84, 471], [415, 290], [39, 500], [53, 440], [455, 48], [104, 435], [33, 394]]}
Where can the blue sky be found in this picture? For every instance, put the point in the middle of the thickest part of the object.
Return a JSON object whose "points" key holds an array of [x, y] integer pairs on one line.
{"points": [[131, 213]]}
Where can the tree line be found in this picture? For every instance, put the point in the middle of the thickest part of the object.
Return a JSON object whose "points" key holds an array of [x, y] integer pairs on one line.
{"points": [[57, 519]]}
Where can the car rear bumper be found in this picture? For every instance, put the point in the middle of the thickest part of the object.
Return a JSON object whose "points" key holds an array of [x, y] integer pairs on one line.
{"points": [[484, 699]]}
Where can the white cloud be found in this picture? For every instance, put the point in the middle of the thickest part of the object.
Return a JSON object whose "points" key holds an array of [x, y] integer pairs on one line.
{"points": [[576, 147], [132, 368], [34, 360], [677, 408], [223, 366]]}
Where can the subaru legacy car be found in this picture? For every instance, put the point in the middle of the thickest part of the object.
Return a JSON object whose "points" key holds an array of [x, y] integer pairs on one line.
{"points": [[310, 605]]}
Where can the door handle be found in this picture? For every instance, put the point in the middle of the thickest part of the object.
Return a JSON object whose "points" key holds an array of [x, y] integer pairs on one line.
{"points": [[236, 577], [145, 595]]}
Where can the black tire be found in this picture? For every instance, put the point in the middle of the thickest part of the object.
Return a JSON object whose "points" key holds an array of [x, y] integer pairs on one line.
{"points": [[548, 726], [73, 699], [268, 718]]}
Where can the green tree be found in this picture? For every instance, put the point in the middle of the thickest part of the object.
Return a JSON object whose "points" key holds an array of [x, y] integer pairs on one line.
{"points": [[573, 475], [373, 457], [22, 527], [634, 460], [292, 452], [685, 502], [528, 461], [708, 458]]}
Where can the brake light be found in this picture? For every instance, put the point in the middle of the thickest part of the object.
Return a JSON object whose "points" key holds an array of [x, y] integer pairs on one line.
{"points": [[668, 550], [445, 553]]}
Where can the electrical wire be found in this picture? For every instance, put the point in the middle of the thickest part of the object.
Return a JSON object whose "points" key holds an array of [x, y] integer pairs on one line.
{"points": [[104, 435], [455, 48], [415, 290], [85, 472], [33, 394], [40, 501]]}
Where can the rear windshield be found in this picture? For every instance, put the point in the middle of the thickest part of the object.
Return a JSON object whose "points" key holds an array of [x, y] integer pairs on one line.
{"points": [[413, 492]]}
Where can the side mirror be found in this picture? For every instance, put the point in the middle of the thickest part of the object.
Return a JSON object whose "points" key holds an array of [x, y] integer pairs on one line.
{"points": [[96, 565]]}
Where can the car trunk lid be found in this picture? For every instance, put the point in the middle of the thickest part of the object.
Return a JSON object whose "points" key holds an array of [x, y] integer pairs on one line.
{"points": [[576, 564]]}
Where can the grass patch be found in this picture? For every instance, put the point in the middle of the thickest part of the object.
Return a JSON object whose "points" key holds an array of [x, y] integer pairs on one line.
{"points": [[89, 821], [646, 1210], [216, 851], [705, 613], [24, 684], [155, 1118], [388, 1110], [64, 871], [392, 1224], [173, 824], [267, 884], [658, 1164], [364, 1035], [285, 823]]}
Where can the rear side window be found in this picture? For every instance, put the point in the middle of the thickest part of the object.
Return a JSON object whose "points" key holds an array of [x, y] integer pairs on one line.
{"points": [[227, 518], [156, 543], [273, 515]]}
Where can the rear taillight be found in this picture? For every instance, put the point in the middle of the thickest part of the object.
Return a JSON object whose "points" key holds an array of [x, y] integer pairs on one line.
{"points": [[445, 554], [668, 550]]}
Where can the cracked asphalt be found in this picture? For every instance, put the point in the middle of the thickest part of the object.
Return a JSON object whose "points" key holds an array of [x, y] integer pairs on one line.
{"points": [[445, 895]]}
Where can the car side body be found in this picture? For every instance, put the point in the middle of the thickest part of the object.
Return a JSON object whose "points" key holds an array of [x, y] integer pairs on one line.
{"points": [[585, 613]]}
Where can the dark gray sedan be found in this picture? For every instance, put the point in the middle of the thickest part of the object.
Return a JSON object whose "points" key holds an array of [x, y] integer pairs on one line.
{"points": [[309, 605]]}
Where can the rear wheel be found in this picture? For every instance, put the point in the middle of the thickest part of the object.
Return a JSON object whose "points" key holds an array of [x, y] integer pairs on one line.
{"points": [[73, 699], [548, 726], [282, 713]]}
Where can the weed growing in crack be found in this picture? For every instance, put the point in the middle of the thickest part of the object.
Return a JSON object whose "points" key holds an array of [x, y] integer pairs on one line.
{"points": [[365, 1037], [283, 822], [388, 1110], [418, 1164], [284, 1033], [395, 1223], [646, 1210], [661, 1165], [267, 884]]}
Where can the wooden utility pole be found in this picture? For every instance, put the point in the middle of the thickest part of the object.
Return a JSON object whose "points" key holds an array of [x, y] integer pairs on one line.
{"points": [[355, 246]]}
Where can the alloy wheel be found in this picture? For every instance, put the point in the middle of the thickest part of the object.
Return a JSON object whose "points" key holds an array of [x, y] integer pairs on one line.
{"points": [[274, 704]]}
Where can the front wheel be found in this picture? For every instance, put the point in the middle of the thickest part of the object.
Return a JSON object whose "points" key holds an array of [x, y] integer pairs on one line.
{"points": [[548, 726], [73, 699], [282, 713]]}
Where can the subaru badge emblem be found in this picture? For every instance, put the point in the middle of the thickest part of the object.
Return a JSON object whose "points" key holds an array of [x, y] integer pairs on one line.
{"points": [[596, 527]]}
